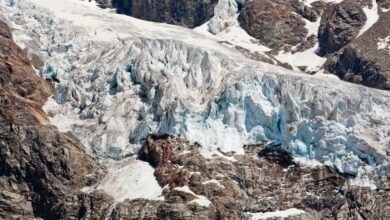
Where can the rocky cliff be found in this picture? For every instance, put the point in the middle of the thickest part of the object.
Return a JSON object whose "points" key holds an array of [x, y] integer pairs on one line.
{"points": [[41, 169], [276, 23], [187, 13], [349, 34], [365, 59], [340, 24], [202, 184]]}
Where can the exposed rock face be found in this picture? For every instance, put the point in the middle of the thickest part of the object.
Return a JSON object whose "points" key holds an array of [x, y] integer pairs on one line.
{"points": [[349, 56], [264, 179], [273, 23], [41, 170], [340, 24], [312, 12], [4, 30], [384, 3], [366, 59], [149, 209], [104, 3], [187, 13]]}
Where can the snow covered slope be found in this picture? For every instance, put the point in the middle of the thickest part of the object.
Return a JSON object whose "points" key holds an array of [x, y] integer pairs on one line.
{"points": [[372, 17], [121, 78]]}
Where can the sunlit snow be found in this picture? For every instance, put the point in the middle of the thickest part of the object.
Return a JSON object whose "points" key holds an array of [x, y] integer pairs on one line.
{"points": [[276, 214], [372, 14]]}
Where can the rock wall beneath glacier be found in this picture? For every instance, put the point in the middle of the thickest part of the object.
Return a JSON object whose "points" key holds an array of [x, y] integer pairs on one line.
{"points": [[203, 184]]}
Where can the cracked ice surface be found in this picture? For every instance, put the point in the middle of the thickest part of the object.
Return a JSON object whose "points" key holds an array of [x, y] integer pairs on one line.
{"points": [[122, 78]]}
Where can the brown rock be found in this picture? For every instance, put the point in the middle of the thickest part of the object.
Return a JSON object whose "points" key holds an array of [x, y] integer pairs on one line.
{"points": [[262, 180], [41, 169], [273, 23]]}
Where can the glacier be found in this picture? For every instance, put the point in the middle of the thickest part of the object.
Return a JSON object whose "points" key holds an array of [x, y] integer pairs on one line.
{"points": [[120, 79]]}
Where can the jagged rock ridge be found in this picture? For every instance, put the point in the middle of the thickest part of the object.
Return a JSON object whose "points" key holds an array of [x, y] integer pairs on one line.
{"points": [[209, 185]]}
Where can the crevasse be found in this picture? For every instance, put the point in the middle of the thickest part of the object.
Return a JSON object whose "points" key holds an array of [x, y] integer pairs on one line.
{"points": [[121, 79]]}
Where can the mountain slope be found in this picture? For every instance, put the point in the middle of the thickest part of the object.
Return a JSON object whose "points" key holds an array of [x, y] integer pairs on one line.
{"points": [[118, 79], [42, 170], [116, 86]]}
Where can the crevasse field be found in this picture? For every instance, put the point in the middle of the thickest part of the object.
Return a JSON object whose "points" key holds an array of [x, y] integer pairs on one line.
{"points": [[121, 79]]}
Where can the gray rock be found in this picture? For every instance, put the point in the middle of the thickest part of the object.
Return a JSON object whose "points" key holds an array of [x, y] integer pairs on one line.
{"points": [[5, 31], [384, 3], [364, 61], [187, 13], [340, 24]]}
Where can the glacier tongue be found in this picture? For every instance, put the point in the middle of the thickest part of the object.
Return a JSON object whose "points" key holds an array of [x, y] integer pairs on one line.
{"points": [[122, 78]]}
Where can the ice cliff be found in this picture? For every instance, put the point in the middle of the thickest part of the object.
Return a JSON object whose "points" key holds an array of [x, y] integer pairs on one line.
{"points": [[120, 79]]}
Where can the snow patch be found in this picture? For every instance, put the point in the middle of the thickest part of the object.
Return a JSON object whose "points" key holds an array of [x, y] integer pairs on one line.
{"points": [[211, 152], [276, 214], [309, 2], [307, 58], [384, 44], [233, 36], [131, 179], [200, 200], [213, 181], [372, 17], [312, 27], [322, 74], [224, 16], [365, 178]]}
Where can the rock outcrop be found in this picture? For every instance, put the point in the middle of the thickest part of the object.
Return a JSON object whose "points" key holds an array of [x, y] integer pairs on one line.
{"points": [[340, 24], [366, 59], [273, 23], [41, 169], [202, 184], [384, 3], [104, 3], [187, 13]]}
